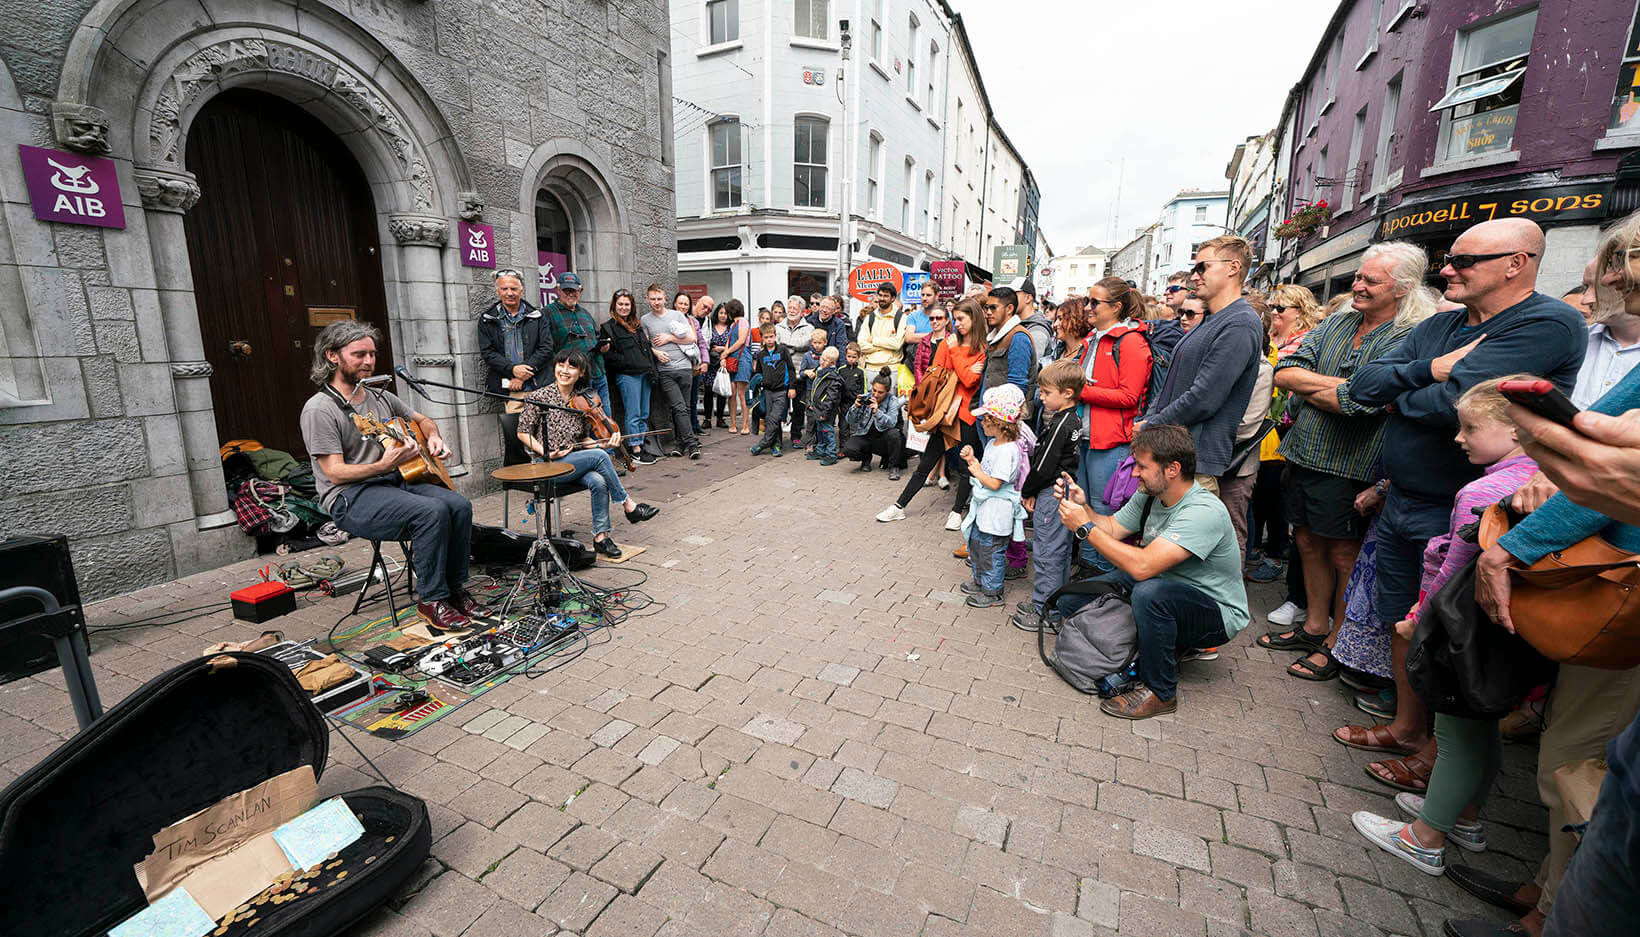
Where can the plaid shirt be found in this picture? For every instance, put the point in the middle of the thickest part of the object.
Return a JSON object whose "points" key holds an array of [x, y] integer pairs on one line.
{"points": [[1346, 444], [575, 328]]}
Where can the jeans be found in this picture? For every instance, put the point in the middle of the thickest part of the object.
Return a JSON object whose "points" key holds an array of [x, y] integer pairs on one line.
{"points": [[931, 455], [985, 558], [634, 390], [1471, 751], [1405, 527], [797, 410], [889, 445], [1051, 545], [674, 387], [594, 470], [695, 383], [775, 403], [1172, 616], [437, 522], [825, 439], [1600, 895], [1093, 472]]}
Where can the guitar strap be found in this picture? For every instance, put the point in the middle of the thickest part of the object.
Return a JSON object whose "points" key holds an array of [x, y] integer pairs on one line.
{"points": [[349, 411]]}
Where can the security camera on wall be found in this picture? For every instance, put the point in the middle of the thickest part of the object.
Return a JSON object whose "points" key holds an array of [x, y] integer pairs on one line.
{"points": [[842, 27]]}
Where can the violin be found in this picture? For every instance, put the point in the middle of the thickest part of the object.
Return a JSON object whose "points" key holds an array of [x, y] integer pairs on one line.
{"points": [[600, 427]]}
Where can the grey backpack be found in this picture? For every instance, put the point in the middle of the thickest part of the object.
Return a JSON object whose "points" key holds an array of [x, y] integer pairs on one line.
{"points": [[1099, 641]]}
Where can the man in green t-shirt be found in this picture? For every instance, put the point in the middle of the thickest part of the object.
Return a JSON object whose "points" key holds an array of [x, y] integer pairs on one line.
{"points": [[1185, 574]]}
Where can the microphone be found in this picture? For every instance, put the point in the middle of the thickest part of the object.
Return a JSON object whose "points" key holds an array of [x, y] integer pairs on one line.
{"points": [[376, 380], [404, 372]]}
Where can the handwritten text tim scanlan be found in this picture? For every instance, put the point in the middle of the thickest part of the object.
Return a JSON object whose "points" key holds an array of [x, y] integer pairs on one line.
{"points": [[217, 829]]}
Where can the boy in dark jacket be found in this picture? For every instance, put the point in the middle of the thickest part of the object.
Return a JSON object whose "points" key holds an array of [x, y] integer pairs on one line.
{"points": [[1058, 449], [824, 400], [779, 387]]}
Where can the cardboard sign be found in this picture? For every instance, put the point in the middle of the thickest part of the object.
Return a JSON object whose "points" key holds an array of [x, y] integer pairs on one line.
{"points": [[911, 289], [72, 188], [549, 266], [949, 277], [477, 244], [864, 279]]}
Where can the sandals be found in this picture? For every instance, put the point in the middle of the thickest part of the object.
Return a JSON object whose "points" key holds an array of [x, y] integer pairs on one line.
{"points": [[1304, 670], [1296, 640], [1405, 774], [1372, 739]]}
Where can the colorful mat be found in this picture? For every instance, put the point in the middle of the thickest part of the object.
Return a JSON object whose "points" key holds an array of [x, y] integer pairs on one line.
{"points": [[444, 696]]}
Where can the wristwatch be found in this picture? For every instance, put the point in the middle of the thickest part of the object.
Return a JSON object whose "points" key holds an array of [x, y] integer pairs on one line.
{"points": [[1083, 531]]}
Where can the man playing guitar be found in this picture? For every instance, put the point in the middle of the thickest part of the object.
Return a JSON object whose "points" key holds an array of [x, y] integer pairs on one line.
{"points": [[359, 482]]}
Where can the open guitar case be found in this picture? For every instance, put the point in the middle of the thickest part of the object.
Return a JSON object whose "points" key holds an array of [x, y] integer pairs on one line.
{"points": [[73, 827]]}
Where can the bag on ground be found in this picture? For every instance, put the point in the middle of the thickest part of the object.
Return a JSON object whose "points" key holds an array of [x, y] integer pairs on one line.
{"points": [[1100, 641]]}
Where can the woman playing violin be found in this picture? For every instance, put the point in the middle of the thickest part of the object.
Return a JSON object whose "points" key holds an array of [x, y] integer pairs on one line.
{"points": [[560, 436]]}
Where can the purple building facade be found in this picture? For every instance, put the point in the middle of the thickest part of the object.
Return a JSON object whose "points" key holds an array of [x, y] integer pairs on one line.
{"points": [[1415, 120]]}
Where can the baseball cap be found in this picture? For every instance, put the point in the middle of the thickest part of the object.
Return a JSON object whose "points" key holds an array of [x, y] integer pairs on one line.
{"points": [[1026, 287], [569, 281]]}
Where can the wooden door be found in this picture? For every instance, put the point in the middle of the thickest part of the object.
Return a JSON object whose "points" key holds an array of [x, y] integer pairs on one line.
{"points": [[283, 237]]}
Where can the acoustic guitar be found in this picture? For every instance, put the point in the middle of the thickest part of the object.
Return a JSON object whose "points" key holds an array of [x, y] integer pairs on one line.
{"points": [[425, 468]]}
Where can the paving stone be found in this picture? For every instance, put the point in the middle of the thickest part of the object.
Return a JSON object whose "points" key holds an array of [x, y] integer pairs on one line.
{"points": [[1142, 915], [773, 728], [1307, 883], [1242, 866], [1098, 902], [449, 904], [674, 888], [576, 902], [1382, 907], [1181, 849], [506, 728], [612, 732], [1278, 917], [751, 868], [981, 825], [505, 919], [472, 849], [839, 674], [934, 889], [811, 892], [728, 912], [627, 866], [484, 721], [1213, 898], [658, 748], [487, 802], [526, 736], [526, 878], [537, 826], [627, 916], [866, 788], [583, 847]]}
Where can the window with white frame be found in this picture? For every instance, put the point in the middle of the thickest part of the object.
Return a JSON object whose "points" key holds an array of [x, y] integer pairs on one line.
{"points": [[1336, 65], [724, 19], [1352, 169], [1386, 132], [1373, 29], [1483, 99], [874, 172], [726, 164], [928, 206], [809, 141], [911, 88], [1625, 114], [877, 30], [810, 18], [1201, 212], [933, 75], [905, 196], [1319, 181]]}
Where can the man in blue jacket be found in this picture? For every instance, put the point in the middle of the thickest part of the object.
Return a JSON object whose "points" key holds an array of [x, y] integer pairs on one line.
{"points": [[1505, 327], [1214, 366]]}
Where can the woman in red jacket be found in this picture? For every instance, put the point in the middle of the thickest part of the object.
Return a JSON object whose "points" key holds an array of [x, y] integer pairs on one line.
{"points": [[1116, 363]]}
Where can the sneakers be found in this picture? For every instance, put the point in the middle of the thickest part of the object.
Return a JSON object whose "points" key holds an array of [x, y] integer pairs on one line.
{"points": [[971, 588], [758, 450], [1395, 838], [894, 474], [953, 521], [1466, 835], [1033, 622], [1015, 572], [943, 483], [812, 456], [891, 514], [641, 457], [1266, 571], [1196, 653], [985, 600], [1288, 614], [777, 452], [828, 460]]}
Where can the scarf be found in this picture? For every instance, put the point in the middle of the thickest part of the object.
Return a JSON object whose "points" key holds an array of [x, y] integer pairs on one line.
{"points": [[992, 337]]}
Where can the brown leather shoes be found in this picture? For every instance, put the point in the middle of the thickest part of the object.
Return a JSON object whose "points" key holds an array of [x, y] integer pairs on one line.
{"points": [[468, 604], [1138, 704], [442, 616]]}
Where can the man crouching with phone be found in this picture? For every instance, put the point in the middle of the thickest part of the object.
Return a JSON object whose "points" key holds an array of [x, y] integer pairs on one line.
{"points": [[1185, 574]]}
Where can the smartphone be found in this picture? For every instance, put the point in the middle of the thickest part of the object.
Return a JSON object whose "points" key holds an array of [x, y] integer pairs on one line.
{"points": [[1540, 397]]}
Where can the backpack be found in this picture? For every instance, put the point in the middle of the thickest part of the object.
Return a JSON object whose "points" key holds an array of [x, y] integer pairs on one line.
{"points": [[1098, 646], [1158, 364]]}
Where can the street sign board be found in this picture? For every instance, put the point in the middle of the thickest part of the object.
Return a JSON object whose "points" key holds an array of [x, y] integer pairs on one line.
{"points": [[949, 276], [911, 288], [477, 244], [864, 279], [72, 188]]}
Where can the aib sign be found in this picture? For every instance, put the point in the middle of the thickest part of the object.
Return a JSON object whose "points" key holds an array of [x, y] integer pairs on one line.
{"points": [[71, 188], [477, 244]]}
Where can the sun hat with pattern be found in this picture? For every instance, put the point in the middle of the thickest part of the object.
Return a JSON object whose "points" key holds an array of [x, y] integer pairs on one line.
{"points": [[1004, 402]]}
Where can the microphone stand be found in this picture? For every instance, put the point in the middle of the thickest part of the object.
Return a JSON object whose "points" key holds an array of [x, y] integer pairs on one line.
{"points": [[417, 382]]}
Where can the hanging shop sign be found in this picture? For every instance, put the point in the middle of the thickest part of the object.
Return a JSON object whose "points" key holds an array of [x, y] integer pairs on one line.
{"points": [[1012, 263], [72, 188], [1544, 205], [949, 277], [477, 244], [864, 279]]}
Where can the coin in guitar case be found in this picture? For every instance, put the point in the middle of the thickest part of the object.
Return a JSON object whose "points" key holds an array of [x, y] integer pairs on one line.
{"points": [[390, 839], [341, 875], [369, 859]]}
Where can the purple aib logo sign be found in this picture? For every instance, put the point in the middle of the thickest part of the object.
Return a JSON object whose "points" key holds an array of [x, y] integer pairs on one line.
{"points": [[477, 244], [71, 188]]}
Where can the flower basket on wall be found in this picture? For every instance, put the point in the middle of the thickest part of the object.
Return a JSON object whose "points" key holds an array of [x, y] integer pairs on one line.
{"points": [[1309, 218]]}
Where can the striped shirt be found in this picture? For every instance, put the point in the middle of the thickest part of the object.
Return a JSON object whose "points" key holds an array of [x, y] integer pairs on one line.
{"points": [[1346, 444]]}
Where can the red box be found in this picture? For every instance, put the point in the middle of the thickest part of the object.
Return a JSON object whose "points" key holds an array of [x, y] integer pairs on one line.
{"points": [[263, 601]]}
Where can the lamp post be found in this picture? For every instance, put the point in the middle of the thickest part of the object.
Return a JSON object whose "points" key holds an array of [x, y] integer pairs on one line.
{"points": [[845, 245]]}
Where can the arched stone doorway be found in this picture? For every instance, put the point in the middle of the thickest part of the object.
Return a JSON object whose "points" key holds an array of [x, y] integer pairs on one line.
{"points": [[568, 185], [285, 245]]}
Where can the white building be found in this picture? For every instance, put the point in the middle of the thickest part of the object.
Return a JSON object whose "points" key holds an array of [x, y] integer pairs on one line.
{"points": [[1188, 219], [1074, 273], [1132, 261], [1252, 176]]}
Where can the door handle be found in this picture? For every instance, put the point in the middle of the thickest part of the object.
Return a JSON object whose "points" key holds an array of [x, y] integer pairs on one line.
{"points": [[240, 349]]}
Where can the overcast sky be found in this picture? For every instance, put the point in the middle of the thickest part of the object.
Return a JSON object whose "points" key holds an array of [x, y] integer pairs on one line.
{"points": [[1170, 85]]}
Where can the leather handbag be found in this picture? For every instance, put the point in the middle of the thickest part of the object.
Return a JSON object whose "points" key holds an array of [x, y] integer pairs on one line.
{"points": [[1580, 605]]}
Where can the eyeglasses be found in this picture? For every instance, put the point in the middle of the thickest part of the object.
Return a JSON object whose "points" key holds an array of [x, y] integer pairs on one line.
{"points": [[1175, 288], [569, 290], [1465, 261], [936, 318], [509, 272], [1279, 309], [1185, 314], [1103, 302], [1201, 265]]}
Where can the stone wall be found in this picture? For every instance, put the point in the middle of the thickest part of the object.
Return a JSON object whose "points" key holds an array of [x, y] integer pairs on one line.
{"points": [[105, 412]]}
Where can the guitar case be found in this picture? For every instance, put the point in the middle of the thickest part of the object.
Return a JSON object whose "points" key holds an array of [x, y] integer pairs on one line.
{"points": [[73, 827]]}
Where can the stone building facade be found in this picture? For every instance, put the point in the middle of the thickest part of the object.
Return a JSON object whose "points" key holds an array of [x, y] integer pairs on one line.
{"points": [[522, 116]]}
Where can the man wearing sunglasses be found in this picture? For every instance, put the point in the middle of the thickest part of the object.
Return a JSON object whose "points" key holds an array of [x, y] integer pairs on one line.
{"points": [[1178, 290], [1210, 379], [1505, 327]]}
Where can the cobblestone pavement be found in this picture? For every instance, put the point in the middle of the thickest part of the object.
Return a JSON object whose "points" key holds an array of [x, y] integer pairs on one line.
{"points": [[815, 736]]}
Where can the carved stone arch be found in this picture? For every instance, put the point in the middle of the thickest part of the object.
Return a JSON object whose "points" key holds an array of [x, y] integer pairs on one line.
{"points": [[579, 178]]}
